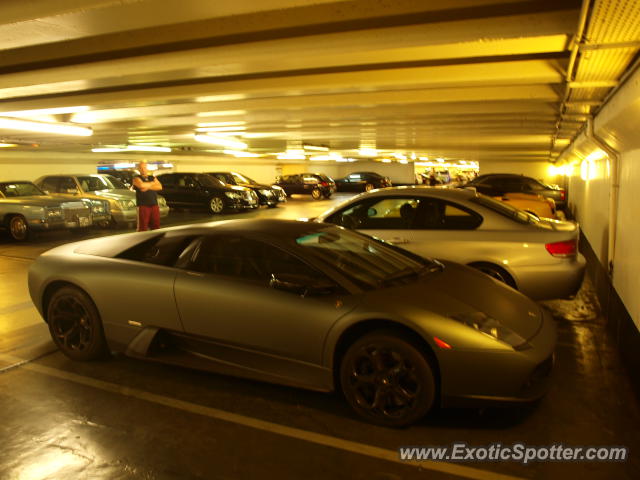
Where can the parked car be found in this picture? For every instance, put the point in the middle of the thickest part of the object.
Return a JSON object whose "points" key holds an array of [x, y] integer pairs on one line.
{"points": [[539, 257], [25, 209], [317, 185], [125, 176], [204, 190], [393, 332], [122, 201], [269, 195], [541, 207], [362, 182], [497, 184]]}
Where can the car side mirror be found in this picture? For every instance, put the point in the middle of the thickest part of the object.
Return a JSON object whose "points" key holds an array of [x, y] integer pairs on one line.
{"points": [[301, 284]]}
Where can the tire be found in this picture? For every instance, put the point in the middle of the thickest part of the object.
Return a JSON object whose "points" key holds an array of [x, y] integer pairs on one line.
{"points": [[316, 194], [387, 380], [19, 229], [495, 272], [272, 205], [75, 326], [215, 205], [368, 187]]}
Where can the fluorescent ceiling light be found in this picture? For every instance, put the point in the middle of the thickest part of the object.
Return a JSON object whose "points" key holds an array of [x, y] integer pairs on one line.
{"points": [[108, 149], [291, 156], [237, 153], [295, 151], [399, 156], [220, 124], [41, 127], [404, 161], [368, 152], [221, 113], [440, 159], [238, 129], [316, 148], [167, 165], [45, 111], [386, 160], [124, 165], [131, 148], [147, 148], [223, 142], [320, 158], [8, 145]]}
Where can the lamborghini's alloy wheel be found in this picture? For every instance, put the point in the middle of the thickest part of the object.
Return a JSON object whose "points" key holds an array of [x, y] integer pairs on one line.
{"points": [[75, 325], [387, 379]]}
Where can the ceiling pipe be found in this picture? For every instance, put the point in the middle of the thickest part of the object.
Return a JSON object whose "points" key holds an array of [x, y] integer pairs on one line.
{"points": [[614, 158], [576, 42]]}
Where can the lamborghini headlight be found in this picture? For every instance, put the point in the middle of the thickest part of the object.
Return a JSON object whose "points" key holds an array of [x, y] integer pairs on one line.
{"points": [[233, 195], [491, 327]]}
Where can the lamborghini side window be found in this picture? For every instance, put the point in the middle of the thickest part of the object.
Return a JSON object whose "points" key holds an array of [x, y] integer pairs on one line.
{"points": [[158, 250], [247, 259]]}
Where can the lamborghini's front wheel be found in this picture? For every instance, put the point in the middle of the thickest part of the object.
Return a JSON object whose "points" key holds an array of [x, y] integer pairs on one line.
{"points": [[75, 325]]}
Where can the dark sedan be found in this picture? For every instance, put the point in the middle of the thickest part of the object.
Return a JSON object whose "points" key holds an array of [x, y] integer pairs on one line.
{"points": [[497, 184], [362, 182], [305, 304], [203, 190], [269, 195], [317, 185]]}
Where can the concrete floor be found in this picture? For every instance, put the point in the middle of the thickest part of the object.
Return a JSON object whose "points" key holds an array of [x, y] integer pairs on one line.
{"points": [[123, 418]]}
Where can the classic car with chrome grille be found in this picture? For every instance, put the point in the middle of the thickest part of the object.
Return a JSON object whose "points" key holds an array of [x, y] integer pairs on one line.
{"points": [[25, 209], [122, 201]]}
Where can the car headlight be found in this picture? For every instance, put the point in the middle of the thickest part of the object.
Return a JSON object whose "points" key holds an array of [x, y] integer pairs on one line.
{"points": [[491, 327], [54, 212], [233, 195], [98, 207], [127, 204]]}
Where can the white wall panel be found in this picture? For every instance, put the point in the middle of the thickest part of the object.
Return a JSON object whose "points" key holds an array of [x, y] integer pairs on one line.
{"points": [[589, 203], [626, 279]]}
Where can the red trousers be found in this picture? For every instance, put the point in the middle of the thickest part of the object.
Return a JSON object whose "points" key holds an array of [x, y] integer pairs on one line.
{"points": [[148, 217]]}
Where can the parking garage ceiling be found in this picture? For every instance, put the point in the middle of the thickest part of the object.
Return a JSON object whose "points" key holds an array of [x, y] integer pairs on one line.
{"points": [[460, 79]]}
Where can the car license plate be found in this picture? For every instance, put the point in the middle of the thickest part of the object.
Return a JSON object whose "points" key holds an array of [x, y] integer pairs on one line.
{"points": [[71, 224]]}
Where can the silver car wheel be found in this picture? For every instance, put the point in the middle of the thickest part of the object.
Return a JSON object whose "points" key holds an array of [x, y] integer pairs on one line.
{"points": [[216, 205], [368, 187], [316, 194], [18, 228]]}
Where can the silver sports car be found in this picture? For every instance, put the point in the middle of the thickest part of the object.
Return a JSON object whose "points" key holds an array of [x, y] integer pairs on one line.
{"points": [[299, 303], [539, 257]]}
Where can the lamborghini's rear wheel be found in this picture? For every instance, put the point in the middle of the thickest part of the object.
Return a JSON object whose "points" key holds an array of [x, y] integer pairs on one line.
{"points": [[75, 325]]}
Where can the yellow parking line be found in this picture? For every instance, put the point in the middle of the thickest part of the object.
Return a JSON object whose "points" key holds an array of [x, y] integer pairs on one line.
{"points": [[291, 432]]}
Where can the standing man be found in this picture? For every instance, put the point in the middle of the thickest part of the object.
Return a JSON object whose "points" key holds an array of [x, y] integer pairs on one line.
{"points": [[147, 187]]}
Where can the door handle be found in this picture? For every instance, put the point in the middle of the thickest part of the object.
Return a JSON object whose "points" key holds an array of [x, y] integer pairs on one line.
{"points": [[195, 274], [399, 240]]}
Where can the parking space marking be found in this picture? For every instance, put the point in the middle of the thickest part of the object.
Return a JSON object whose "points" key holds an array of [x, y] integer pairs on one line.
{"points": [[266, 426]]}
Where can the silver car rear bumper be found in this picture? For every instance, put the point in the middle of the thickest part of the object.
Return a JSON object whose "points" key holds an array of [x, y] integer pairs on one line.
{"points": [[545, 282]]}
